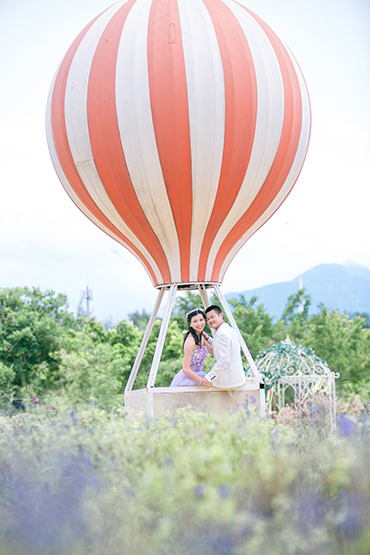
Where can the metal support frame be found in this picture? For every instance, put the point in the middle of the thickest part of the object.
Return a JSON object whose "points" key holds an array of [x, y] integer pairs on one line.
{"points": [[205, 299], [204, 295], [233, 324], [144, 342], [173, 289], [245, 349], [333, 410], [162, 336]]}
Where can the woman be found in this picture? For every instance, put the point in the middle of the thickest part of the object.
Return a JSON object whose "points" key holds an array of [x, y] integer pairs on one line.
{"points": [[196, 348]]}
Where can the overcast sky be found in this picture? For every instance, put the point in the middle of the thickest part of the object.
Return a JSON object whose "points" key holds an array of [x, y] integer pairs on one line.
{"points": [[46, 241]]}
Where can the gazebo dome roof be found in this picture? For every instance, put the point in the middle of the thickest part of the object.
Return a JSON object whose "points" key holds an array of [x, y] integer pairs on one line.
{"points": [[287, 360]]}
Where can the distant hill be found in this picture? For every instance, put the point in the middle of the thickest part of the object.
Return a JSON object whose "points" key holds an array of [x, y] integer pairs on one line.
{"points": [[344, 288]]}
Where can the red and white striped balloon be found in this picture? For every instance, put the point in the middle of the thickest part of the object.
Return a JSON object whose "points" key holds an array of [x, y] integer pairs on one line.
{"points": [[178, 127]]}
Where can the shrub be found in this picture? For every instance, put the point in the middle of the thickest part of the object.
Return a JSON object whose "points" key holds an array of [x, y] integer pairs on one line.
{"points": [[93, 481]]}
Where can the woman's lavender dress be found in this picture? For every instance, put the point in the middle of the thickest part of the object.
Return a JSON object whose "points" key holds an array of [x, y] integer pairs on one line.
{"points": [[197, 361]]}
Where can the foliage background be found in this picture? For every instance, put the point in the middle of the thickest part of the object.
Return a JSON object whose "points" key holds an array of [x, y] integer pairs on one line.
{"points": [[44, 348], [78, 475]]}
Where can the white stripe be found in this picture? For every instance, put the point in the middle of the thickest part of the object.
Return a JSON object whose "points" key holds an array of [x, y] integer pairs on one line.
{"points": [[137, 132], [70, 191], [123, 228], [292, 176], [269, 123], [206, 96], [77, 126]]}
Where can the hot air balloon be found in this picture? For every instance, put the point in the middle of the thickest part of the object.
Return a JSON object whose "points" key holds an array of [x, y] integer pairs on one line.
{"points": [[178, 127]]}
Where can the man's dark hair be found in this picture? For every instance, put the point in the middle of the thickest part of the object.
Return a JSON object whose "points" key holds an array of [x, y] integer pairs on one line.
{"points": [[214, 307]]}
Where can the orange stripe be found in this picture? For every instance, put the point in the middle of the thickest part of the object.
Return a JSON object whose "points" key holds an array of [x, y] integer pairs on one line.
{"points": [[105, 139], [169, 103], [285, 155], [240, 117], [64, 154]]}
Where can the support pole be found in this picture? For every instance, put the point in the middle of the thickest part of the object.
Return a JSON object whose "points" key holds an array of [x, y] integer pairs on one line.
{"points": [[333, 410], [205, 299], [162, 336], [233, 324], [204, 295], [144, 342], [245, 349]]}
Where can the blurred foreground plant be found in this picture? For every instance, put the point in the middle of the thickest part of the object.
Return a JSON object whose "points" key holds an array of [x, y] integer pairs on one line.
{"points": [[92, 481], [314, 412]]}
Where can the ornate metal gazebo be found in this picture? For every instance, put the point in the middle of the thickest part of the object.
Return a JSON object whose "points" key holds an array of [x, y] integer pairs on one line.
{"points": [[287, 365]]}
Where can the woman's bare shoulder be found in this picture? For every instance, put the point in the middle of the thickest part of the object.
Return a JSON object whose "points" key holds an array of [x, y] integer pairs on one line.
{"points": [[189, 342]]}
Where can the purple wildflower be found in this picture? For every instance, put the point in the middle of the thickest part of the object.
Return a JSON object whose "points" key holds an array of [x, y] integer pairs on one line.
{"points": [[347, 427]]}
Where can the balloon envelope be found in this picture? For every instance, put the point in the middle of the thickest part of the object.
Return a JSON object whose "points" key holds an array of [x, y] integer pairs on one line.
{"points": [[178, 127]]}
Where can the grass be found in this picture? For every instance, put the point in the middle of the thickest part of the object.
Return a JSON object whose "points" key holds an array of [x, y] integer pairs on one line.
{"points": [[90, 481]]}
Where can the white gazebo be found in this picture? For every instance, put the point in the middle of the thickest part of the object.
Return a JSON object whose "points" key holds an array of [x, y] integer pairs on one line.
{"points": [[287, 365]]}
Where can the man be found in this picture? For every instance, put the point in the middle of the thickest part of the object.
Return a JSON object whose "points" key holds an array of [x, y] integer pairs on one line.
{"points": [[227, 372]]}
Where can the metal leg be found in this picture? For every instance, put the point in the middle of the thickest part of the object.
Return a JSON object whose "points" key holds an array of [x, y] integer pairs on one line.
{"points": [[233, 324], [244, 347], [162, 336], [262, 403], [333, 410], [205, 299], [144, 342], [204, 295]]}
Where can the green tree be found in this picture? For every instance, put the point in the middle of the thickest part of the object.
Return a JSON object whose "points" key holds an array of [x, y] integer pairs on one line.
{"points": [[171, 359], [31, 325], [294, 320], [7, 388], [139, 319], [93, 371], [344, 344], [254, 323], [364, 315], [96, 362]]}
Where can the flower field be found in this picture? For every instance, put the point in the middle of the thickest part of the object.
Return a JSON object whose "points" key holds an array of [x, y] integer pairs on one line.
{"points": [[91, 481]]}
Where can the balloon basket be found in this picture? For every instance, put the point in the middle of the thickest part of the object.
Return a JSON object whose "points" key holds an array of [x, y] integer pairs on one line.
{"points": [[158, 401], [154, 402]]}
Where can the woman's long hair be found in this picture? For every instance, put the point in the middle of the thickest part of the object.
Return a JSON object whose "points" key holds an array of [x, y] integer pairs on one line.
{"points": [[191, 331]]}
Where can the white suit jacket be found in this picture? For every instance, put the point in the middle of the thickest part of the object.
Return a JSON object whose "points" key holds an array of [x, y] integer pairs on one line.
{"points": [[227, 372]]}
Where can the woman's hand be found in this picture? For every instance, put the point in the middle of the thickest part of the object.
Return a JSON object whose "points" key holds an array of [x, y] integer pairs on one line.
{"points": [[204, 382]]}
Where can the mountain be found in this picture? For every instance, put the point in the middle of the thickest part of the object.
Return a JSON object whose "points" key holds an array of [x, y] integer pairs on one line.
{"points": [[344, 288]]}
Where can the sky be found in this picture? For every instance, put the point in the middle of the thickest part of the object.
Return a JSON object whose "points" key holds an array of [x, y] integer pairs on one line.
{"points": [[46, 242]]}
